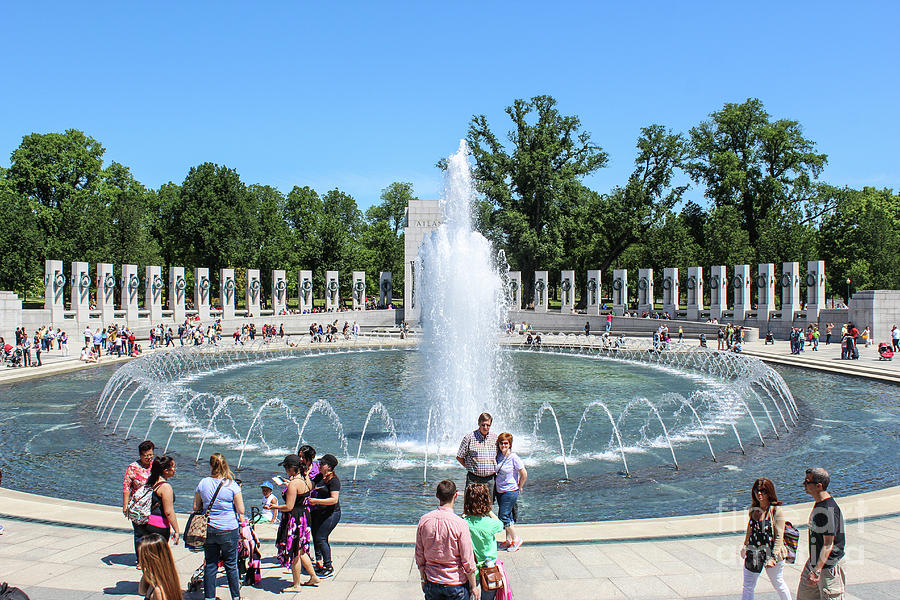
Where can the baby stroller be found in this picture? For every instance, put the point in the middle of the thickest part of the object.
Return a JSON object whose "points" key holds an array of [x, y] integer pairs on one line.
{"points": [[885, 352], [12, 357], [249, 558]]}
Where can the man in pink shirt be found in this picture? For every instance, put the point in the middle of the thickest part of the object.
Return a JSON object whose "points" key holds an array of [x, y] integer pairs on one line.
{"points": [[444, 552]]}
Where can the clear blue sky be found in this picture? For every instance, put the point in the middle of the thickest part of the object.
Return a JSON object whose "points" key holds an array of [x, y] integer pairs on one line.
{"points": [[356, 95]]}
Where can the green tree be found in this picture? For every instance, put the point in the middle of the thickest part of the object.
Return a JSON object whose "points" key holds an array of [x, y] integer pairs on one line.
{"points": [[726, 241], [759, 166], [214, 221], [303, 213], [382, 241], [392, 209], [339, 228], [60, 174], [23, 261], [858, 237], [128, 232], [528, 185]]}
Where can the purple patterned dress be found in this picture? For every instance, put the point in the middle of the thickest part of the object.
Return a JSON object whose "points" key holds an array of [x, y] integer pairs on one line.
{"points": [[294, 535]]}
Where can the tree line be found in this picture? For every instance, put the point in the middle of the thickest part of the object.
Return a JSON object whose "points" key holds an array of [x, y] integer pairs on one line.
{"points": [[58, 200], [739, 187]]}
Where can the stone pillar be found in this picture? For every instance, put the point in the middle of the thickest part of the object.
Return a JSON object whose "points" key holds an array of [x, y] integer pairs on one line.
{"points": [[620, 291], [305, 291], [279, 291], [694, 293], [153, 289], [177, 293], [740, 286], [765, 289], [815, 289], [515, 290], [645, 291], [253, 292], [567, 289], [131, 286], [106, 293], [593, 292], [81, 291], [359, 290], [790, 290], [54, 290], [540, 291], [671, 291], [202, 289], [11, 316], [718, 292], [332, 290], [227, 293]]}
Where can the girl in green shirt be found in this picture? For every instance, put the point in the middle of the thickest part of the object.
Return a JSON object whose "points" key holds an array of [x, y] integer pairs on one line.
{"points": [[483, 527]]}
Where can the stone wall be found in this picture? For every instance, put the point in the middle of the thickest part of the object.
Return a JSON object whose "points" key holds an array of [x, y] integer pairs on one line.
{"points": [[10, 315], [422, 217], [878, 309]]}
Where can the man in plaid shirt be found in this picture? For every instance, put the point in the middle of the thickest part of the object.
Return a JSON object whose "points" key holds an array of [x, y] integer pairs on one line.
{"points": [[478, 453]]}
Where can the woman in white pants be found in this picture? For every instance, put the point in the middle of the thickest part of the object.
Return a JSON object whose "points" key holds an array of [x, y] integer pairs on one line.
{"points": [[763, 548]]}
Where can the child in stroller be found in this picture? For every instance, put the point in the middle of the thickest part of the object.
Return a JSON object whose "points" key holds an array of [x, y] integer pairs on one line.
{"points": [[249, 557], [12, 357], [885, 352]]}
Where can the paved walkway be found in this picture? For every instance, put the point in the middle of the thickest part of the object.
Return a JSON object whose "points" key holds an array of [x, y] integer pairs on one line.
{"points": [[58, 562]]}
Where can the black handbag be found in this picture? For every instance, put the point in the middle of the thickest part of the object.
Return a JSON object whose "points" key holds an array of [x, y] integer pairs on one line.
{"points": [[758, 551]]}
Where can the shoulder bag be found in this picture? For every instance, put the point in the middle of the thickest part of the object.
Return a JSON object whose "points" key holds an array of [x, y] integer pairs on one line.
{"points": [[491, 577], [195, 530]]}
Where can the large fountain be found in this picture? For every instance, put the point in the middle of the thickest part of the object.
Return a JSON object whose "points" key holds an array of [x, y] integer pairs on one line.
{"points": [[617, 430]]}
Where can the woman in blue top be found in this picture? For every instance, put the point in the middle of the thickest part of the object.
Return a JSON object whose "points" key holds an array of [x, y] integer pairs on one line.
{"points": [[511, 477], [222, 533]]}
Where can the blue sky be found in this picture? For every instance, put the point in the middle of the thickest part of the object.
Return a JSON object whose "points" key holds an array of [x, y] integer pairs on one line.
{"points": [[356, 95]]}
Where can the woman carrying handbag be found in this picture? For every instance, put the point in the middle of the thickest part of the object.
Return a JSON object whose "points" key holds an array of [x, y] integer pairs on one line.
{"points": [[220, 497], [764, 547]]}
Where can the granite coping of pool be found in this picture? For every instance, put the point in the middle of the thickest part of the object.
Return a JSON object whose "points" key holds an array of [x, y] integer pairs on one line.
{"points": [[856, 508]]}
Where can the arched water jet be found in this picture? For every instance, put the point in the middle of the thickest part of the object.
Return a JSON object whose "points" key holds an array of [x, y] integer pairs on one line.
{"points": [[546, 407], [266, 404], [220, 405], [753, 419], [324, 407], [116, 426], [614, 428], [663, 425], [684, 402], [378, 408]]}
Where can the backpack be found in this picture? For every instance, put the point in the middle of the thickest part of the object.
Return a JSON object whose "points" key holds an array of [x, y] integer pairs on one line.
{"points": [[11, 593], [139, 505]]}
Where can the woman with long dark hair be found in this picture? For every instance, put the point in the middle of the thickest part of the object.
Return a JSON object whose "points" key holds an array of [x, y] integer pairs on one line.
{"points": [[294, 534], [325, 512], [764, 547], [159, 569], [163, 520]]}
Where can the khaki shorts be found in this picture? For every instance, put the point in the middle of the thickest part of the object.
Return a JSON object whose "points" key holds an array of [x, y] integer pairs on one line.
{"points": [[829, 587]]}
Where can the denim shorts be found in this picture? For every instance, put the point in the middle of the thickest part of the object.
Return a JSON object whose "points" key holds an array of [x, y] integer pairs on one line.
{"points": [[506, 501]]}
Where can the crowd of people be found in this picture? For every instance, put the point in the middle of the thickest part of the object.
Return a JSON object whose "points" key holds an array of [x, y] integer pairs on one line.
{"points": [[329, 332], [28, 348], [307, 514]]}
